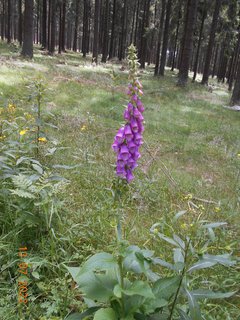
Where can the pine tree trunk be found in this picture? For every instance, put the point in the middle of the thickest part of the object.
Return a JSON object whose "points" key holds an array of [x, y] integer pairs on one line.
{"points": [[105, 36], [44, 24], [96, 28], [20, 22], [176, 40], [187, 42], [204, 15], [85, 23], [165, 38], [122, 37], [160, 31], [211, 42], [9, 19], [76, 26], [235, 99], [27, 48], [234, 64], [53, 27], [112, 31], [143, 48]]}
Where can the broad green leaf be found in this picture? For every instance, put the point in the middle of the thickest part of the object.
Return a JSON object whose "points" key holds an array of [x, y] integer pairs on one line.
{"points": [[214, 225], [202, 264], [167, 239], [163, 263], [179, 214], [100, 261], [139, 288], [208, 294], [152, 305], [178, 256], [38, 168], [193, 306], [179, 241], [105, 314], [73, 271], [224, 259], [36, 275], [97, 286], [81, 316], [117, 291], [166, 287]]}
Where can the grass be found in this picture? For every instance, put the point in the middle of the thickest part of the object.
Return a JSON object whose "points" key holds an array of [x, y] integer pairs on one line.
{"points": [[191, 147]]}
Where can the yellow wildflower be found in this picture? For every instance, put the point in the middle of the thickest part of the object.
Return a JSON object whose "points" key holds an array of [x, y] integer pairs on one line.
{"points": [[183, 226], [201, 207], [217, 209], [28, 116], [84, 127], [188, 197], [23, 132], [11, 108], [2, 137], [42, 139]]}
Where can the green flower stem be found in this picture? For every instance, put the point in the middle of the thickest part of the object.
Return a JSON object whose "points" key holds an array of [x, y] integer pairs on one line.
{"points": [[181, 280]]}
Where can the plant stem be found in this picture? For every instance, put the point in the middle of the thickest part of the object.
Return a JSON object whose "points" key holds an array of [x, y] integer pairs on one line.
{"points": [[181, 280]]}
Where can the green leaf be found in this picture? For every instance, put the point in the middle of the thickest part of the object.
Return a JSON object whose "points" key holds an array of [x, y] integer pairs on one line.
{"points": [[97, 287], [100, 261], [167, 239], [166, 287], [224, 259], [163, 263], [178, 256], [36, 275], [81, 316], [73, 271], [139, 288], [208, 294], [179, 214], [214, 225], [105, 314], [38, 168], [193, 306], [183, 315], [201, 264]]}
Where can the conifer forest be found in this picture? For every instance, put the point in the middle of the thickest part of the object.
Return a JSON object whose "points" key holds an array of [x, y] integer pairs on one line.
{"points": [[119, 159]]}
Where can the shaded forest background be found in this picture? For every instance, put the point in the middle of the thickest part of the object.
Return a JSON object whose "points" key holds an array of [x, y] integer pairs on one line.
{"points": [[202, 36]]}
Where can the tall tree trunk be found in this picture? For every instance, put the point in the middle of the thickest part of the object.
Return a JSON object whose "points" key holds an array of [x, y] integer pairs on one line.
{"points": [[27, 48], [9, 20], [20, 22], [143, 48], [165, 38], [63, 24], [85, 27], [105, 36], [204, 15], [234, 64], [160, 32], [3, 13], [235, 99], [187, 42], [112, 31], [176, 38], [53, 27], [122, 37], [211, 42], [96, 28], [76, 26], [44, 24]]}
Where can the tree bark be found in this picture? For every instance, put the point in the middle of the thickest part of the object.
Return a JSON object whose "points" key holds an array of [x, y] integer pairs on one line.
{"points": [[204, 15], [27, 48], [165, 38], [53, 27], [211, 42], [160, 31], [235, 99], [112, 31], [20, 22], [187, 42], [75, 37], [96, 29]]}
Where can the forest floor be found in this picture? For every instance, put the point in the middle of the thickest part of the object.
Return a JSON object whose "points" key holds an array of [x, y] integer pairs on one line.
{"points": [[190, 161]]}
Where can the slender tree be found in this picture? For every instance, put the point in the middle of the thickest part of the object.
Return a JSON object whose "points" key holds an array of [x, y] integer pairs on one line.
{"points": [[165, 38], [96, 29], [20, 22], [105, 33], [187, 41], [27, 48], [204, 15], [235, 99], [211, 42], [53, 27]]}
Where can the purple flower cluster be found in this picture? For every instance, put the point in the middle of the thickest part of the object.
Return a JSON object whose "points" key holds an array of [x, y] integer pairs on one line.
{"points": [[129, 138]]}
